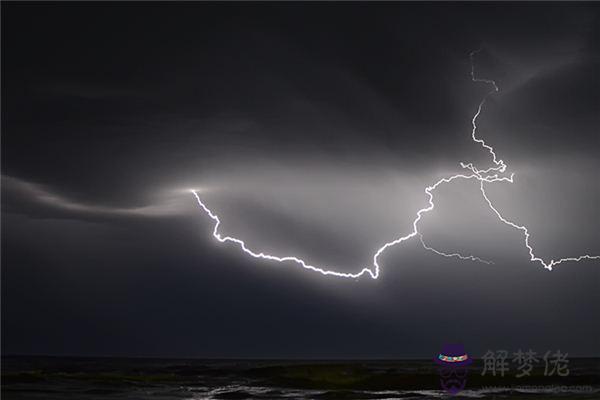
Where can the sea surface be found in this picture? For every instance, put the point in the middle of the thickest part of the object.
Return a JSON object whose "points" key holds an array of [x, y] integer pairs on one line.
{"points": [[141, 378]]}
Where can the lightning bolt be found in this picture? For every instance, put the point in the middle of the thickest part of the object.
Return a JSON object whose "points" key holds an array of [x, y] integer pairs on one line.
{"points": [[457, 255], [500, 167], [304, 264], [491, 174]]}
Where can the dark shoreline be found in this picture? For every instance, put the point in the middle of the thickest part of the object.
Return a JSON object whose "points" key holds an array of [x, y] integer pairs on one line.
{"points": [[26, 377]]}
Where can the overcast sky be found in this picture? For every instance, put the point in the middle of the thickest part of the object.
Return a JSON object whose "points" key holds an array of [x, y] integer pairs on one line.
{"points": [[312, 130]]}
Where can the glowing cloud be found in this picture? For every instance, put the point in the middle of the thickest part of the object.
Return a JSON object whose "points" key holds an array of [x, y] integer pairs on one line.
{"points": [[494, 173]]}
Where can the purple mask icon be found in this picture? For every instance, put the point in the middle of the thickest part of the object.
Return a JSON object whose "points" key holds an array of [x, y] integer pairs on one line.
{"points": [[453, 362]]}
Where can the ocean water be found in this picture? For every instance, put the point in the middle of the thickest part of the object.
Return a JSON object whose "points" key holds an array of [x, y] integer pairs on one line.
{"points": [[120, 378]]}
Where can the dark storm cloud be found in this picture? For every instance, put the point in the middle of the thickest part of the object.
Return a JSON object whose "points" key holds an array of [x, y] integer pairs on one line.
{"points": [[534, 116], [312, 129]]}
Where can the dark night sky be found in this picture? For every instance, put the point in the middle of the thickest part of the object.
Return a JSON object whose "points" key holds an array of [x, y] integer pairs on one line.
{"points": [[312, 129]]}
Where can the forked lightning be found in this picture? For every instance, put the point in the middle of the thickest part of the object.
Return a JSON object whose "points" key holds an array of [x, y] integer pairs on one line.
{"points": [[494, 173]]}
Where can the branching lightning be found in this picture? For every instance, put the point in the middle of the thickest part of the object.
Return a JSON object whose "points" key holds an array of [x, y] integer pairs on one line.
{"points": [[457, 255], [494, 173]]}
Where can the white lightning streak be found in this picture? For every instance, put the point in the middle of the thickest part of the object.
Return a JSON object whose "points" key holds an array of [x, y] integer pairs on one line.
{"points": [[501, 167], [457, 255], [297, 260], [489, 175], [548, 265]]}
